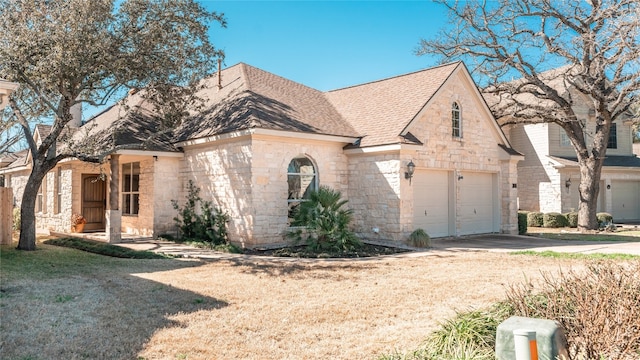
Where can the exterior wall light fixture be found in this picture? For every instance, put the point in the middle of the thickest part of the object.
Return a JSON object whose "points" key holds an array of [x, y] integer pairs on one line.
{"points": [[460, 177], [411, 168], [567, 183]]}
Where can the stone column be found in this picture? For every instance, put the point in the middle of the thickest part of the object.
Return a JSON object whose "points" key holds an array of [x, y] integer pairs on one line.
{"points": [[509, 196], [114, 214]]}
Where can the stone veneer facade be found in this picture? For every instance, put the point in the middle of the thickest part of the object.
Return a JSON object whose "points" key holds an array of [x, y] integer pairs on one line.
{"points": [[248, 179], [382, 198]]}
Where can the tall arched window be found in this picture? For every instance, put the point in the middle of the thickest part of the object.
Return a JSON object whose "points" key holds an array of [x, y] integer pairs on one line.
{"points": [[456, 120], [302, 179]]}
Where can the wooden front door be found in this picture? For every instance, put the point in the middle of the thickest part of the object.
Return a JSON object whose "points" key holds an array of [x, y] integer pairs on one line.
{"points": [[94, 200]]}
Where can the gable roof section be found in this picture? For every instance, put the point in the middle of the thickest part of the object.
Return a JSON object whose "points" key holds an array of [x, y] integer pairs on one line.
{"points": [[381, 110], [253, 98]]}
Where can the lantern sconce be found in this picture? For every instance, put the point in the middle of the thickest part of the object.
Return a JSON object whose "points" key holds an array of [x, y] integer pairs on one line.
{"points": [[411, 168], [567, 183], [608, 186], [460, 177]]}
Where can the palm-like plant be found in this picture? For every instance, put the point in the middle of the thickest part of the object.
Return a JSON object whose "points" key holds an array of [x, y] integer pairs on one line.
{"points": [[325, 222]]}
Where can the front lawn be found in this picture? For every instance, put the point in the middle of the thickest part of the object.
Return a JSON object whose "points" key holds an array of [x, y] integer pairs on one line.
{"points": [[62, 303]]}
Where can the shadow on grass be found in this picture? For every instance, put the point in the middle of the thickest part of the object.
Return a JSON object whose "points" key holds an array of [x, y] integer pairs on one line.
{"points": [[59, 303]]}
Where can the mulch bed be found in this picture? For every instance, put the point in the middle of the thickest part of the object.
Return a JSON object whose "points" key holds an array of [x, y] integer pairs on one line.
{"points": [[368, 250]]}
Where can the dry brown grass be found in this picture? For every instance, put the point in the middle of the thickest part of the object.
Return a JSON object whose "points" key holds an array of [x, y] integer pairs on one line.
{"points": [[248, 308]]}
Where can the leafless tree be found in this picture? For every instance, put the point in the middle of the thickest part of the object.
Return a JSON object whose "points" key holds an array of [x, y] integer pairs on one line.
{"points": [[66, 52], [594, 47]]}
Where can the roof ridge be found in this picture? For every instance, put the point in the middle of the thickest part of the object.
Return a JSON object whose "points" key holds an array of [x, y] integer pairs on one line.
{"points": [[396, 76], [245, 75]]}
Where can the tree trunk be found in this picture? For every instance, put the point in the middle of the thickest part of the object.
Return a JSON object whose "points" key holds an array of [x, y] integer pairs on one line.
{"points": [[589, 188], [27, 211]]}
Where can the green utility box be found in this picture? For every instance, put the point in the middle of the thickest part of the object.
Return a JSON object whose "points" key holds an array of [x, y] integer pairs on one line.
{"points": [[551, 342]]}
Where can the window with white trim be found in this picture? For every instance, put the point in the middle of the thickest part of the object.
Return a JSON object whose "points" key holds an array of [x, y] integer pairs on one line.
{"points": [[302, 180], [131, 188], [456, 120]]}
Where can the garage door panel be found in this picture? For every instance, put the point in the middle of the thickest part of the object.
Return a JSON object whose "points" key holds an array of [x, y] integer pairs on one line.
{"points": [[476, 203], [625, 197], [431, 202]]}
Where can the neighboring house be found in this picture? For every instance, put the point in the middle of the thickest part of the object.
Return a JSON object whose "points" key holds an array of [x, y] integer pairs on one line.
{"points": [[261, 142], [549, 176], [6, 88]]}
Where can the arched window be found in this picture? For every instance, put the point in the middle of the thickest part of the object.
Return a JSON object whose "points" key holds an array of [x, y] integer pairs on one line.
{"points": [[456, 121], [302, 179]]}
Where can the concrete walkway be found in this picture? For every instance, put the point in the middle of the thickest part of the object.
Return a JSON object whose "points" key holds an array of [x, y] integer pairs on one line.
{"points": [[491, 243], [510, 243]]}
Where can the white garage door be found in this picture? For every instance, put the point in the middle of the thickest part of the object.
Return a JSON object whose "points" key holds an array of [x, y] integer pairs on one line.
{"points": [[477, 203], [431, 202], [625, 196]]}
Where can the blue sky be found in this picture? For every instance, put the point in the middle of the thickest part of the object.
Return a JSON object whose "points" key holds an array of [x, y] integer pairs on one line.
{"points": [[327, 44]]}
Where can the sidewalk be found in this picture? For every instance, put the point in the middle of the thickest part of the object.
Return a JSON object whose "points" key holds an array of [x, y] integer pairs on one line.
{"points": [[490, 242]]}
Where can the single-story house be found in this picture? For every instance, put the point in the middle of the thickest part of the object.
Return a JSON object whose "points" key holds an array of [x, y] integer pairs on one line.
{"points": [[419, 150]]}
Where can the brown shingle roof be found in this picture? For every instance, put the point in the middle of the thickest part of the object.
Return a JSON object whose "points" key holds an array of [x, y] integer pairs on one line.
{"points": [[254, 98], [609, 160], [16, 159], [249, 97], [380, 110], [130, 125]]}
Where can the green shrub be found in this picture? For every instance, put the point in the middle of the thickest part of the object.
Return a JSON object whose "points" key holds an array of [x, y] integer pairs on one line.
{"points": [[420, 238], [604, 219], [572, 219], [16, 219], [199, 221], [469, 335], [554, 220], [535, 219], [522, 222], [324, 223]]}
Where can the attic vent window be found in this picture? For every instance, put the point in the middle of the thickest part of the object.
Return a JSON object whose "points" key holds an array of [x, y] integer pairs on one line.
{"points": [[456, 121]]}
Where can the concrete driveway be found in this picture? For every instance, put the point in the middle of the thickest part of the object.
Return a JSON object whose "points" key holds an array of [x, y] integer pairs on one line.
{"points": [[509, 243]]}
